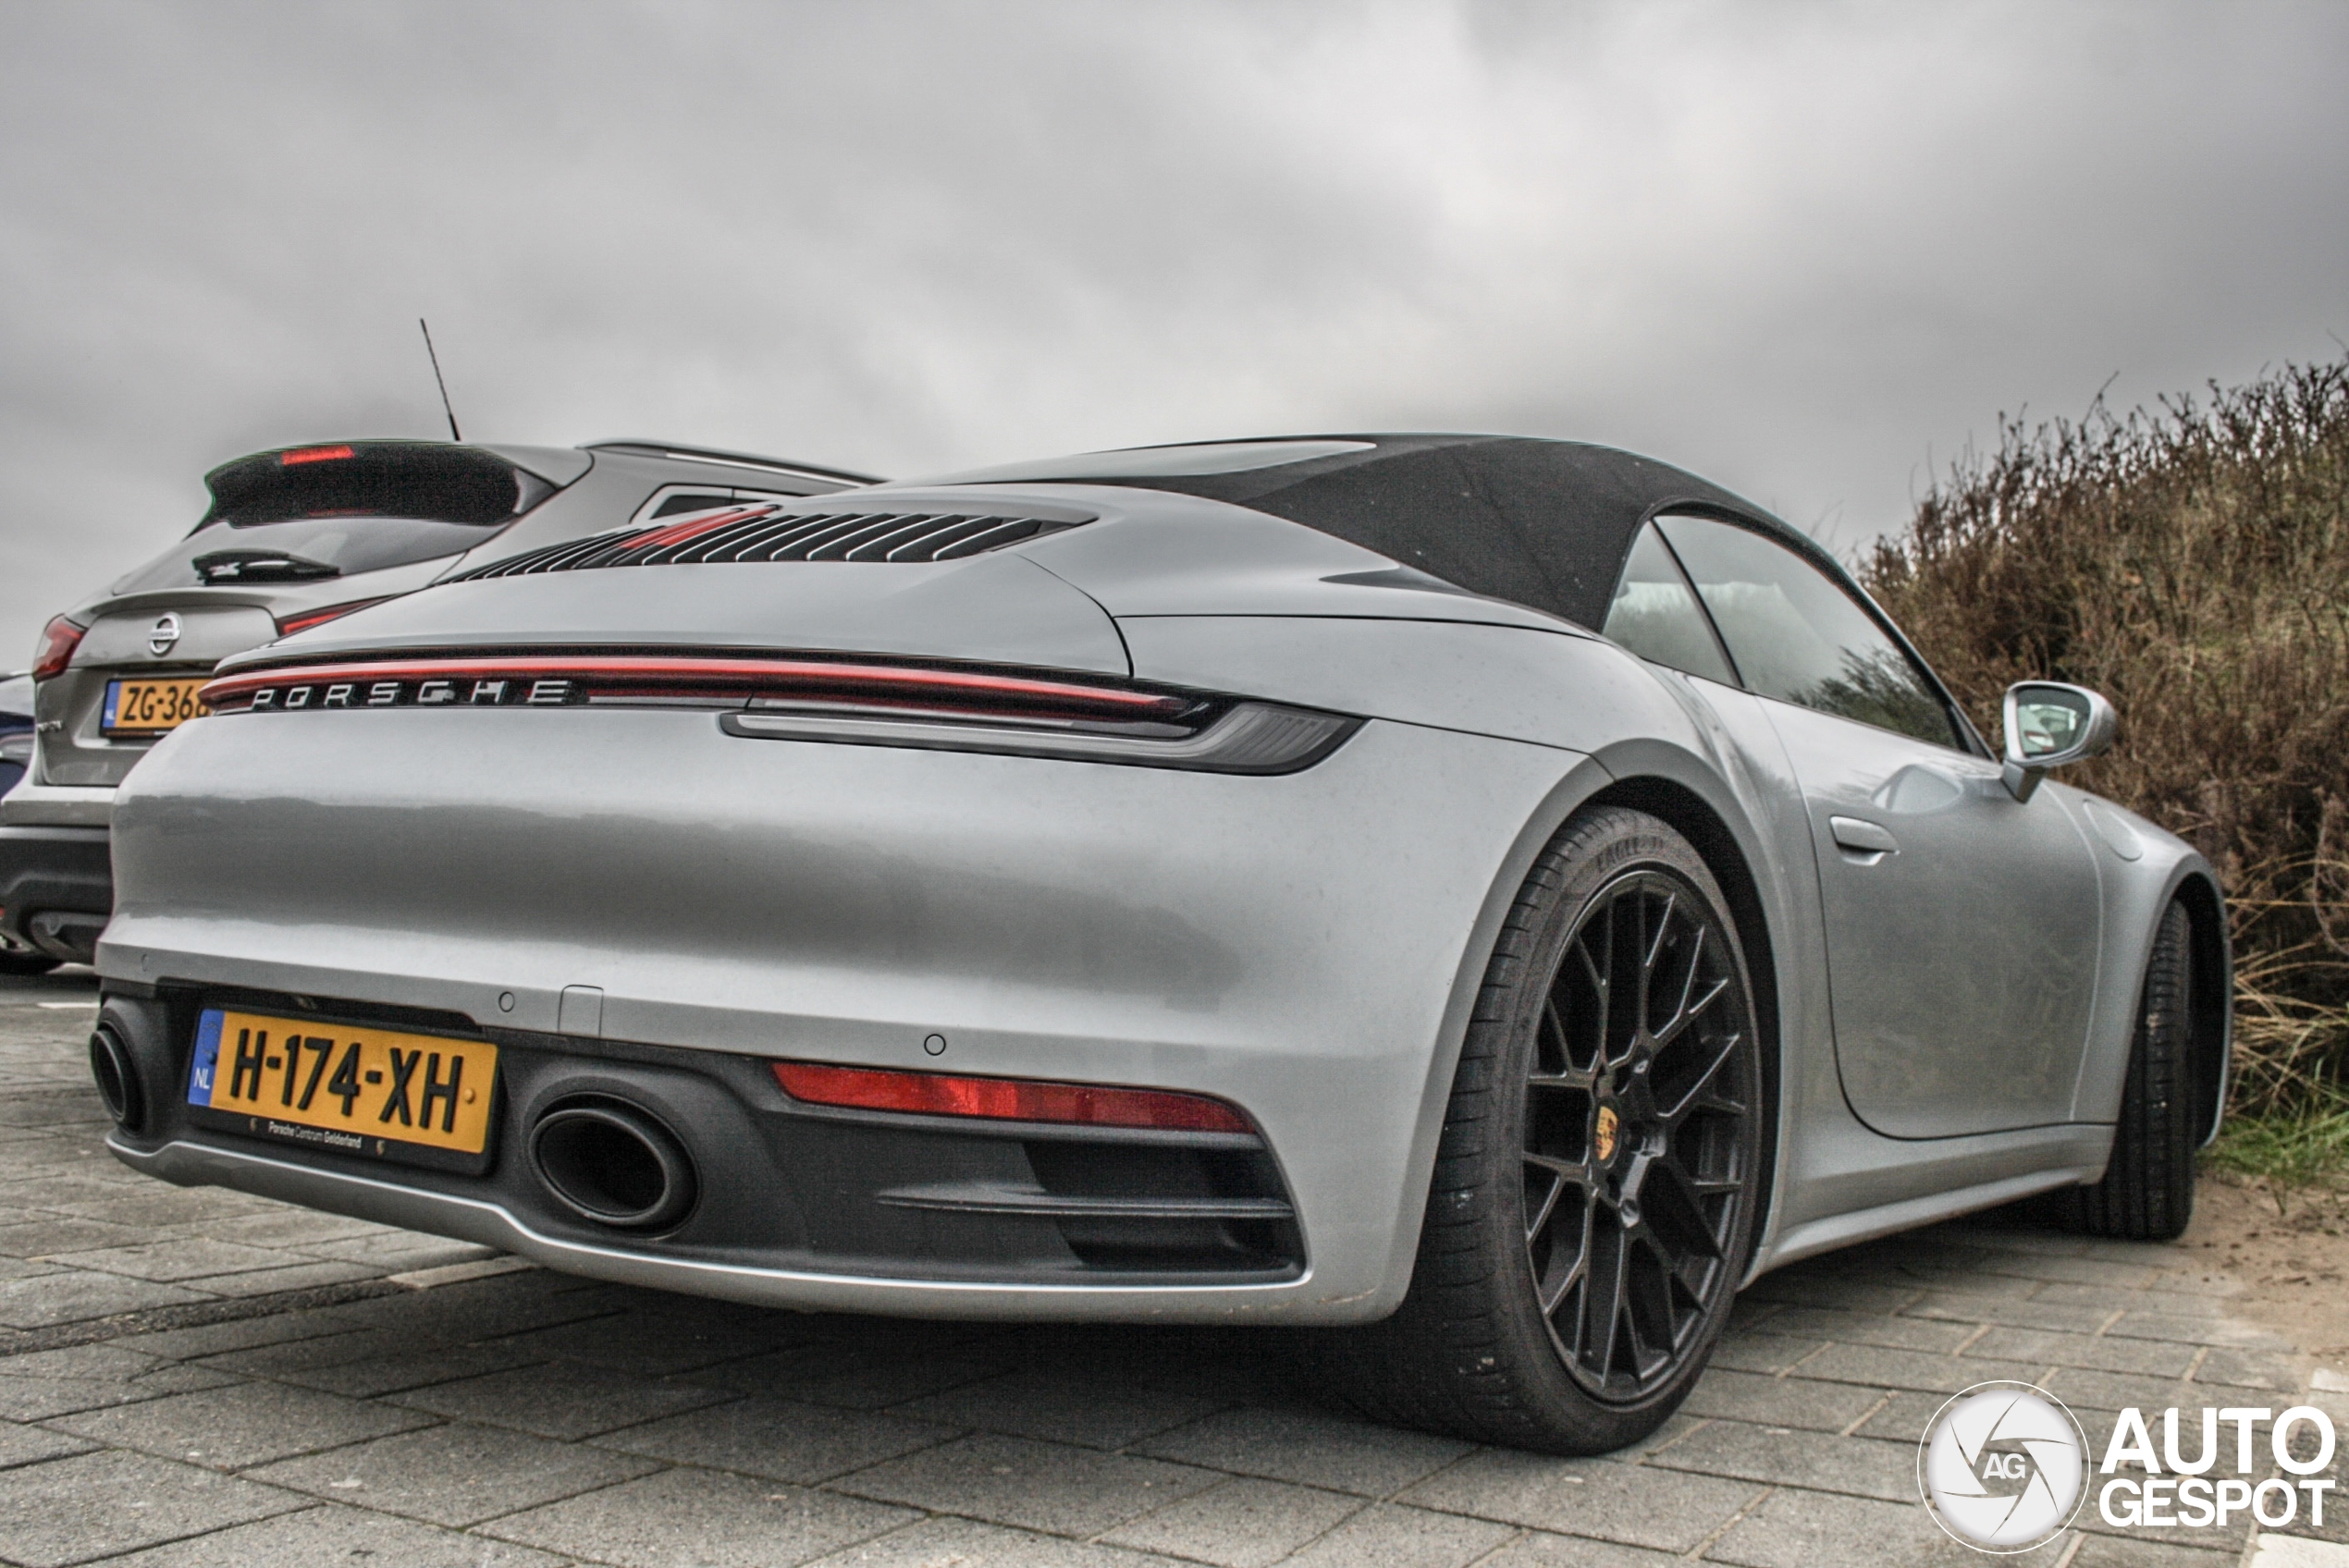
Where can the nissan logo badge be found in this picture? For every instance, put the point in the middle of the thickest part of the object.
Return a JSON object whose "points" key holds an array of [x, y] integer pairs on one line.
{"points": [[164, 637]]}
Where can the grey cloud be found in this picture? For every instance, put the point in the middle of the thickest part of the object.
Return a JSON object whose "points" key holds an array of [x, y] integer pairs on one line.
{"points": [[1796, 247]]}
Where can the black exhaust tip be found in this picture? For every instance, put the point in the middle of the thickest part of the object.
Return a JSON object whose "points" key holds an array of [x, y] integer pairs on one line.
{"points": [[118, 1077], [614, 1164]]}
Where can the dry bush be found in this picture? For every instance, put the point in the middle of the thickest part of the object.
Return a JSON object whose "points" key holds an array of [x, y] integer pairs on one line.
{"points": [[2191, 562]]}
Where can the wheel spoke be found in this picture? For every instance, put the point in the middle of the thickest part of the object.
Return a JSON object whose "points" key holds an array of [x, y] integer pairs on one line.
{"points": [[1698, 1095], [1602, 1296], [1674, 1213]]}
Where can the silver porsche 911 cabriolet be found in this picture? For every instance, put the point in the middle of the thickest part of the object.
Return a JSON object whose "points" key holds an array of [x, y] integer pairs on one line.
{"points": [[1488, 897]]}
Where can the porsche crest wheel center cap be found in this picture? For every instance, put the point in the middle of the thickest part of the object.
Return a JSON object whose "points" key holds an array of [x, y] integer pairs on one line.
{"points": [[1610, 1125]]}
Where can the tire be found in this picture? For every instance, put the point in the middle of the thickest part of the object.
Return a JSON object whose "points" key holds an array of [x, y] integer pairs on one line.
{"points": [[2147, 1191], [27, 963], [1472, 1350]]}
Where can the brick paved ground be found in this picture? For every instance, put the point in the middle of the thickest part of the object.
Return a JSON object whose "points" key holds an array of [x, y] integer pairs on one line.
{"points": [[199, 1377]]}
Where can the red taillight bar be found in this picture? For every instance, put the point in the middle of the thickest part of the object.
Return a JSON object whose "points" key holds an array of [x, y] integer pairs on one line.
{"points": [[312, 455], [1007, 1099], [324, 612], [650, 674], [691, 528]]}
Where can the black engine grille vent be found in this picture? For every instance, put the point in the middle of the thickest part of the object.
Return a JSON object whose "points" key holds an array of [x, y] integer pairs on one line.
{"points": [[769, 534]]}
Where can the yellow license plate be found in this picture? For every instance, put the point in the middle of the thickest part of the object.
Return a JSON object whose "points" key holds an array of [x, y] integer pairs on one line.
{"points": [[343, 1087], [151, 707]]}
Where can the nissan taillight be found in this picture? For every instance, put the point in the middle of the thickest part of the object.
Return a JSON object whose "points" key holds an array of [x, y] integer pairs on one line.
{"points": [[55, 650]]}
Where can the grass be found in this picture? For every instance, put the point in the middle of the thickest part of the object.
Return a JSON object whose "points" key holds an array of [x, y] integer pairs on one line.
{"points": [[2288, 1150]]}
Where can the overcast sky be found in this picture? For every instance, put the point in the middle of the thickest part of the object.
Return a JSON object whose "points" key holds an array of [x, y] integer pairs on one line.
{"points": [[1808, 252]]}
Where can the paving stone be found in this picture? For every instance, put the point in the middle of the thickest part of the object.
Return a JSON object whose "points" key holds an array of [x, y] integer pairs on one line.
{"points": [[2112, 1390], [149, 1203], [2071, 1318], [454, 1475], [2195, 1331], [852, 1379], [1538, 1549], [2253, 1370], [244, 1424], [1627, 1503], [242, 1334], [1763, 1353], [1308, 1448], [503, 1306], [46, 1237], [1783, 1456], [702, 1519], [1800, 1529], [1048, 1487], [1391, 1536], [295, 1275], [1780, 1401], [324, 1535], [2109, 1551], [1059, 1409], [78, 1295], [781, 1439], [967, 1543], [1824, 1289], [280, 1356], [292, 1228], [1242, 1524], [1879, 1367], [2154, 1358], [184, 1258], [647, 1343], [562, 1399], [98, 1504], [1871, 1329], [45, 1383], [415, 1367], [20, 1445]]}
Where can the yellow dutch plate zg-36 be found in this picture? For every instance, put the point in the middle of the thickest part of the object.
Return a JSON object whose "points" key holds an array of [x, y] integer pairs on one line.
{"points": [[344, 1088]]}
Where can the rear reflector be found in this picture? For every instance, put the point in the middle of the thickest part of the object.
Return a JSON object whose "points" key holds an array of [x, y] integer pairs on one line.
{"points": [[304, 620], [1007, 1099], [55, 650], [312, 455]]}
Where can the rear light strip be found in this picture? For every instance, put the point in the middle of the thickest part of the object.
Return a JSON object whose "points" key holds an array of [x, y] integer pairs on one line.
{"points": [[554, 680], [924, 707], [1007, 1099], [303, 621]]}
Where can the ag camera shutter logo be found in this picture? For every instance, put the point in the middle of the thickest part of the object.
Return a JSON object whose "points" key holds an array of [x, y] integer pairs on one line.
{"points": [[2003, 1467]]}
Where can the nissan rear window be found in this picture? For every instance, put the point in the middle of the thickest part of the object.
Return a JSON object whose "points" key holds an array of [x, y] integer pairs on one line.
{"points": [[308, 514]]}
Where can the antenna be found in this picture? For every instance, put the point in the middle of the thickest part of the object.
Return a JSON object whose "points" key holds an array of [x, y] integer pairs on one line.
{"points": [[438, 382]]}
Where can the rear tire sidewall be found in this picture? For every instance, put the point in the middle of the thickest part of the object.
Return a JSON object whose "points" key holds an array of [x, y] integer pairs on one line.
{"points": [[1615, 842]]}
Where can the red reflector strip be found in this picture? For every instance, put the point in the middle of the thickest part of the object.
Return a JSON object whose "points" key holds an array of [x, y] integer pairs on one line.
{"points": [[309, 618], [621, 674], [693, 528], [312, 455], [1006, 1099]]}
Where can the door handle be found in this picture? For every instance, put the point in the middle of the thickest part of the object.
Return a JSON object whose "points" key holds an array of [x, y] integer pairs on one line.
{"points": [[1865, 837]]}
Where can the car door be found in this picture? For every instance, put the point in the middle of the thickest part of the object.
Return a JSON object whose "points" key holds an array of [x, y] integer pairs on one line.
{"points": [[1962, 926]]}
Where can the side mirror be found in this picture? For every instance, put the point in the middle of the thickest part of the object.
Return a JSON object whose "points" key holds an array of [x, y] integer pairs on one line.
{"points": [[2049, 725]]}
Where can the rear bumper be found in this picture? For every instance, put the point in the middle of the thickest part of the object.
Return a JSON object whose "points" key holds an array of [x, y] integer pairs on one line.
{"points": [[639, 884], [56, 889]]}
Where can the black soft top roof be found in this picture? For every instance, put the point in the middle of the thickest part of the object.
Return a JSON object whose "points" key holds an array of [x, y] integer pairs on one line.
{"points": [[1541, 523]]}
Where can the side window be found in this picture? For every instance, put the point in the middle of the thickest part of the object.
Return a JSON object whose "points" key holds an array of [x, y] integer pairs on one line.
{"points": [[1656, 616], [1800, 637]]}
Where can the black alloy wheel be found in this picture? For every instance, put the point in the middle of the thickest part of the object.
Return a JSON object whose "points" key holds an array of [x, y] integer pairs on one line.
{"points": [[1637, 1159], [1601, 1166]]}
